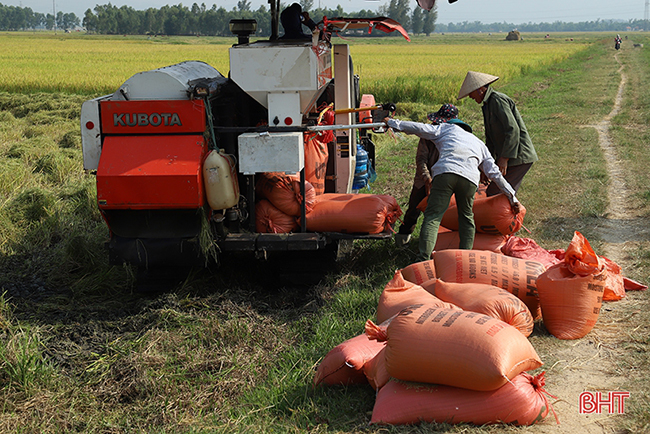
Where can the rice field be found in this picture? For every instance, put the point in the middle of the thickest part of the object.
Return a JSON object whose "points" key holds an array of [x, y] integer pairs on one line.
{"points": [[391, 68], [233, 349]]}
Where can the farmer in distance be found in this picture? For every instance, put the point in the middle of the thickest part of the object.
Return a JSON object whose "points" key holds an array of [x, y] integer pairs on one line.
{"points": [[506, 135], [457, 172]]}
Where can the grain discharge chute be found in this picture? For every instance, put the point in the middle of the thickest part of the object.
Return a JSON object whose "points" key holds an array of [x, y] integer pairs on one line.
{"points": [[179, 151]]}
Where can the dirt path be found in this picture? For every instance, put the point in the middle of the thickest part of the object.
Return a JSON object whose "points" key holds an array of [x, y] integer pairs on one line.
{"points": [[591, 364], [621, 225]]}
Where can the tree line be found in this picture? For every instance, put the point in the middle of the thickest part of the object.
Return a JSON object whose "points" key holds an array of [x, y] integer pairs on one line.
{"points": [[214, 21], [201, 20], [19, 18], [196, 20], [557, 26]]}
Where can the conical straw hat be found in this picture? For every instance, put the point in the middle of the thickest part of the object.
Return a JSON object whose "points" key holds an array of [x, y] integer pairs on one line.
{"points": [[475, 80]]}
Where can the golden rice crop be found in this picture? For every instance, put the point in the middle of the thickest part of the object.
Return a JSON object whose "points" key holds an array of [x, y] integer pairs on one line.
{"points": [[94, 65], [425, 70], [421, 71]]}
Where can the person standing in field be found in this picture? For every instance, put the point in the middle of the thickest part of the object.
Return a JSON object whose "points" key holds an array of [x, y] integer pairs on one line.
{"points": [[456, 172], [426, 156], [506, 135]]}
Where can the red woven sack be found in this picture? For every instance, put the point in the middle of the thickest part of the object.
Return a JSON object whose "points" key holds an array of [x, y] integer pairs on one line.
{"points": [[525, 248], [344, 363], [521, 401], [375, 370]]}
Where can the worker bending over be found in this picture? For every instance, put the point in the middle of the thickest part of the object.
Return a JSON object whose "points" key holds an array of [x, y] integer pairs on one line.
{"points": [[463, 157]]}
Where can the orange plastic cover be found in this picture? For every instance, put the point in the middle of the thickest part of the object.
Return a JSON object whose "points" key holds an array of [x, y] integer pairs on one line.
{"points": [[151, 172], [386, 25], [367, 100]]}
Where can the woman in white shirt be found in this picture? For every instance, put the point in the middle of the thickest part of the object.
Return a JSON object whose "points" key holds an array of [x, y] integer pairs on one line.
{"points": [[456, 172]]}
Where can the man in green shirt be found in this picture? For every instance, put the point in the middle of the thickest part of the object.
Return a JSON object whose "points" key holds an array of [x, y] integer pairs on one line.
{"points": [[506, 135]]}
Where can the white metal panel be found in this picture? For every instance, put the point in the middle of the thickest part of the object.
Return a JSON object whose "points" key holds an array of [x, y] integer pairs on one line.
{"points": [[271, 152], [91, 140], [169, 82], [285, 105], [345, 139], [262, 68]]}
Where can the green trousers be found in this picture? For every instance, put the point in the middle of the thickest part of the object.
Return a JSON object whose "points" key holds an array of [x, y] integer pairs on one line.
{"points": [[442, 188]]}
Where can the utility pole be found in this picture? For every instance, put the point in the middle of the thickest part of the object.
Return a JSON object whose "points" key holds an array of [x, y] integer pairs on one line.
{"points": [[54, 11], [645, 15]]}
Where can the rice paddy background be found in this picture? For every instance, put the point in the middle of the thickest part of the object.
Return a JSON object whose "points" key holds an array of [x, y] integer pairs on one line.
{"points": [[392, 69]]}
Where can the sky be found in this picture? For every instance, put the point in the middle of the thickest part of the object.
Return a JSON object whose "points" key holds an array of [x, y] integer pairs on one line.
{"points": [[486, 11]]}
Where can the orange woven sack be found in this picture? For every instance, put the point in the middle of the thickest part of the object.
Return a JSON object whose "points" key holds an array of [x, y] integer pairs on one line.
{"points": [[571, 293], [519, 402], [344, 363], [283, 191], [316, 155], [353, 213], [616, 284], [375, 370], [492, 215], [269, 219], [456, 348], [486, 299], [419, 272], [517, 276], [448, 239], [400, 293]]}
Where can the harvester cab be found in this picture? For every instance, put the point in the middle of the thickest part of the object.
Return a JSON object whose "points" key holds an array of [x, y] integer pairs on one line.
{"points": [[179, 152]]}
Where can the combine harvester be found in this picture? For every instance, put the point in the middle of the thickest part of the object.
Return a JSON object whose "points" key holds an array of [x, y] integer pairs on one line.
{"points": [[178, 151]]}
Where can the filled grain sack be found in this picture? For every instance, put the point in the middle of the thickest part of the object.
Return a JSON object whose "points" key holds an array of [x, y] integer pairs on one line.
{"points": [[486, 299], [571, 293], [400, 293], [316, 156], [492, 215], [353, 213], [455, 348], [448, 239], [419, 272], [615, 286], [283, 191], [344, 363], [269, 219], [521, 401], [517, 276], [375, 370]]}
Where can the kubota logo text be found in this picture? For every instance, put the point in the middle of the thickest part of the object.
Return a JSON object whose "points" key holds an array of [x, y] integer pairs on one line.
{"points": [[145, 119]]}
